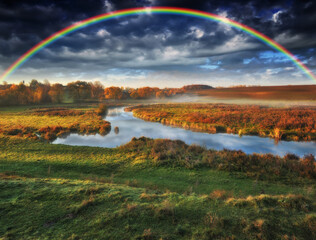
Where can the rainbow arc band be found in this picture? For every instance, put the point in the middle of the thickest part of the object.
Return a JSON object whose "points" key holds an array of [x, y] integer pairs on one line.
{"points": [[158, 10]]}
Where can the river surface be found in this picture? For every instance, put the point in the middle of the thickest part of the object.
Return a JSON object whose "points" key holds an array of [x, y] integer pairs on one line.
{"points": [[130, 127]]}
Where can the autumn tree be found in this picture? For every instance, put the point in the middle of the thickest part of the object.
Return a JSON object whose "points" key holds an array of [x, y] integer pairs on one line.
{"points": [[79, 91], [134, 94], [146, 92], [34, 84], [56, 93], [160, 94], [113, 93], [97, 90]]}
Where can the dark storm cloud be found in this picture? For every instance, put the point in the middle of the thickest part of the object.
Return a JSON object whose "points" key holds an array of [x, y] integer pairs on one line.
{"points": [[33, 20], [154, 42]]}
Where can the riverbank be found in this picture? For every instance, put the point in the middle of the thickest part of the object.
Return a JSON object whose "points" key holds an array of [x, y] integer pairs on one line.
{"points": [[129, 127], [291, 124]]}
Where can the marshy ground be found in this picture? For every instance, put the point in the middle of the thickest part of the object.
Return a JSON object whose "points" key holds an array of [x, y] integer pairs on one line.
{"points": [[147, 189]]}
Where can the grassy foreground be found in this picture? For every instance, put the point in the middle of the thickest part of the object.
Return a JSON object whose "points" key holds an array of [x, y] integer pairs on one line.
{"points": [[133, 192], [147, 189]]}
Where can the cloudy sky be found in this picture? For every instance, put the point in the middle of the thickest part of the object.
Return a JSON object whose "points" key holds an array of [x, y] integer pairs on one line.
{"points": [[159, 50]]}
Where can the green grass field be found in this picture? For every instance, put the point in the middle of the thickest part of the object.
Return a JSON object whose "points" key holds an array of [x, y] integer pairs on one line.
{"points": [[66, 192], [59, 192]]}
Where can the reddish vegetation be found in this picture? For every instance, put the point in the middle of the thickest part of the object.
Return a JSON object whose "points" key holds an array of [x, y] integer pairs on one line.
{"points": [[279, 123], [261, 166], [298, 92]]}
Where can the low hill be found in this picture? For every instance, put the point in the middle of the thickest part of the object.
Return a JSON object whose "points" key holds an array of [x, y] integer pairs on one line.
{"points": [[195, 87]]}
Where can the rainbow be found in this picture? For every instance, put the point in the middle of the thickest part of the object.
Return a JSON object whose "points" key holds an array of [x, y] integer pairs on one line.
{"points": [[158, 10]]}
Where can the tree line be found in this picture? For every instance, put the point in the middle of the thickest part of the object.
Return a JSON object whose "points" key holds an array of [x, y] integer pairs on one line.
{"points": [[38, 93]]}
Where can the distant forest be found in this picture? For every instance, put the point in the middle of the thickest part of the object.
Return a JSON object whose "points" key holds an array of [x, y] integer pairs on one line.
{"points": [[80, 91]]}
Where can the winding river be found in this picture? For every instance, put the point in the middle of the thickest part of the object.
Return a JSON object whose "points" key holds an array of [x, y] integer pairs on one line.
{"points": [[129, 127]]}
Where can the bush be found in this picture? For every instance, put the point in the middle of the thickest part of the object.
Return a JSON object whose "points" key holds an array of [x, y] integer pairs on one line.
{"points": [[102, 110], [259, 166], [14, 132]]}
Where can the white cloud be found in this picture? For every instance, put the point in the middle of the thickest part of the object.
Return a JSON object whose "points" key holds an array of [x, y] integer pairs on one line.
{"points": [[289, 68], [235, 44], [103, 33], [108, 5], [172, 53], [223, 14], [86, 54], [276, 18], [224, 24], [297, 74], [197, 32], [273, 71], [123, 23]]}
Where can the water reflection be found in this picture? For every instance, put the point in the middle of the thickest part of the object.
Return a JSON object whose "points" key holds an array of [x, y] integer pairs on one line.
{"points": [[129, 127]]}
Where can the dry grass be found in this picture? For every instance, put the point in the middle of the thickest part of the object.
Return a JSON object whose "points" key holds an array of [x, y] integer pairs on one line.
{"points": [[220, 194]]}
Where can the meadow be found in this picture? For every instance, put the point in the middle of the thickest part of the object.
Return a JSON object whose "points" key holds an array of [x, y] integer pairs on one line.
{"points": [[148, 189], [50, 123], [295, 123]]}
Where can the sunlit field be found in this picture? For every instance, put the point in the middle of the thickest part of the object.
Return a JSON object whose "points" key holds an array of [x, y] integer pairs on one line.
{"points": [[146, 189], [49, 123]]}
